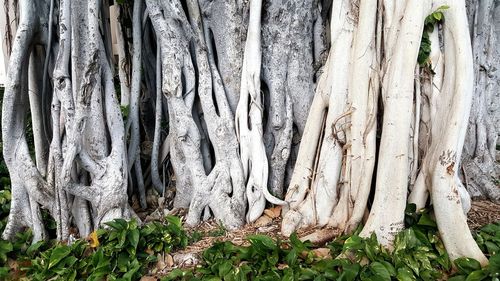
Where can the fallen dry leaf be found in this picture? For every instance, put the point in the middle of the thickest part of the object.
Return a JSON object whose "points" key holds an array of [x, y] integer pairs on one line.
{"points": [[160, 264], [263, 221], [322, 252], [169, 260], [94, 242], [274, 212]]}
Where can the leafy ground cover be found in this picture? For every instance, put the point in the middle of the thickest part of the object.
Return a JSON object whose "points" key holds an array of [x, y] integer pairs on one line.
{"points": [[122, 251], [127, 251], [418, 255]]}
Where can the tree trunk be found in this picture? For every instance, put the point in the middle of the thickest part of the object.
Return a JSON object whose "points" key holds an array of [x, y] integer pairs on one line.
{"points": [[481, 168]]}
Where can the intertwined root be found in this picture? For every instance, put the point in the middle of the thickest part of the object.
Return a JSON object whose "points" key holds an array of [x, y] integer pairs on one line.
{"points": [[249, 126], [80, 97], [422, 126]]}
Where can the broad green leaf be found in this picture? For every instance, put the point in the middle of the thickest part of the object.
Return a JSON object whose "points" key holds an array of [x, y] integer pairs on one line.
{"points": [[58, 254], [380, 271], [353, 243], [491, 228], [122, 262], [133, 237], [291, 257], [296, 243], [307, 274], [174, 221], [467, 265], [438, 15], [426, 219], [494, 264], [349, 272], [457, 278], [118, 224], [288, 275], [477, 275], [390, 268], [404, 274], [176, 273], [492, 247], [224, 268], [5, 248], [273, 258], [262, 240], [331, 274], [130, 274]]}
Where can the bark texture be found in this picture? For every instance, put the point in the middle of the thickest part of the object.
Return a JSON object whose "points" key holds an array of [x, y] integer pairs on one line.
{"points": [[481, 166]]}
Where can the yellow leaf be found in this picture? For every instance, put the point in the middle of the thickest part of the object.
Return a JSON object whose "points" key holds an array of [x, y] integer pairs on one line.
{"points": [[94, 242]]}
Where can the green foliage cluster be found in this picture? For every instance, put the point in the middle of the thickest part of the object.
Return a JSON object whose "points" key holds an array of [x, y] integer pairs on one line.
{"points": [[488, 239], [418, 254], [123, 251], [425, 45]]}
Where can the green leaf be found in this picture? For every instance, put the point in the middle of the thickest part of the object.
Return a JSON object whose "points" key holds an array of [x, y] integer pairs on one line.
{"points": [[349, 272], [477, 275], [130, 274], [34, 248], [380, 271], [263, 240], [288, 275], [353, 243], [58, 254], [467, 265], [224, 268], [133, 237], [390, 268], [122, 262], [494, 264], [174, 221], [490, 228], [117, 224], [426, 219], [291, 257], [174, 274], [457, 278], [307, 274], [404, 274], [296, 243], [438, 15], [492, 247], [5, 248], [273, 258], [4, 272]]}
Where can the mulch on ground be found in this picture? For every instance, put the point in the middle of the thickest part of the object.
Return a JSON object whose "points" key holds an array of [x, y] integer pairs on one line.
{"points": [[483, 212]]}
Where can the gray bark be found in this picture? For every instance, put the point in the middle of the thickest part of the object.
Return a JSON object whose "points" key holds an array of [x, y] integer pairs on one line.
{"points": [[221, 190], [224, 22], [288, 33], [481, 168]]}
